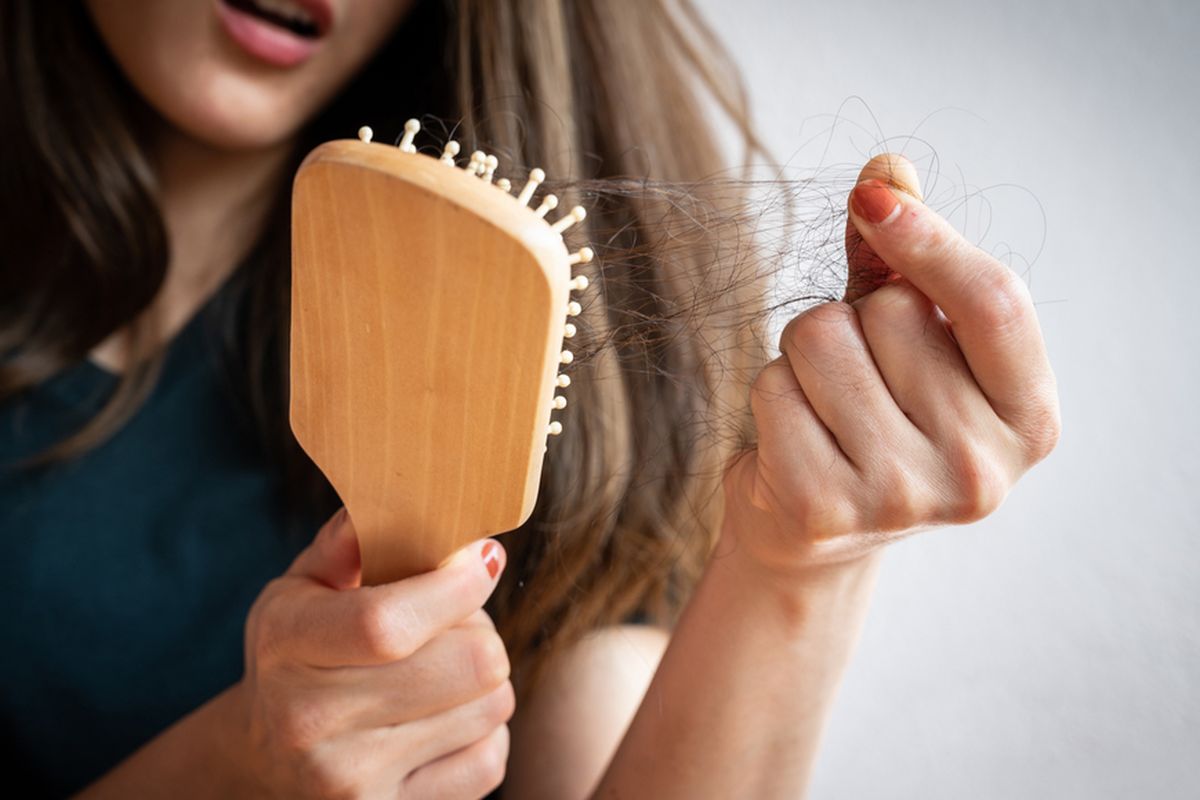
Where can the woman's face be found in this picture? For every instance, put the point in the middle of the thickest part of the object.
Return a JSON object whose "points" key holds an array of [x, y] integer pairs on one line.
{"points": [[240, 74]]}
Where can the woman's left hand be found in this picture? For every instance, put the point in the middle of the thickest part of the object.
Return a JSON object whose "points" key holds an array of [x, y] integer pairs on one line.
{"points": [[882, 417]]}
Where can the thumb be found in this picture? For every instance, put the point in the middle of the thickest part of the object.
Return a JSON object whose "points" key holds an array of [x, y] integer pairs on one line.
{"points": [[333, 557], [867, 270]]}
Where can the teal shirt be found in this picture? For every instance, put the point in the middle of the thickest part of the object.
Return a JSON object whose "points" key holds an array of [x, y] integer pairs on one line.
{"points": [[126, 574]]}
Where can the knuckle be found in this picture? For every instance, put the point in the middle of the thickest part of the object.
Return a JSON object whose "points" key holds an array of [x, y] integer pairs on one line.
{"points": [[469, 581], [821, 323], [898, 301], [300, 726], [386, 631], [492, 760], [774, 382], [1041, 427], [834, 312], [1004, 302], [980, 484], [929, 240], [481, 618], [1046, 436], [771, 378], [902, 502], [500, 705], [939, 242], [488, 659]]}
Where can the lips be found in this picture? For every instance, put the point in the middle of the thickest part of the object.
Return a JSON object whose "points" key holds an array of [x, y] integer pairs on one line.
{"points": [[282, 33]]}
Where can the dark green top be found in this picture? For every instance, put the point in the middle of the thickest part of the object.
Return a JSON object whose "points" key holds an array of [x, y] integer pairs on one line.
{"points": [[127, 573]]}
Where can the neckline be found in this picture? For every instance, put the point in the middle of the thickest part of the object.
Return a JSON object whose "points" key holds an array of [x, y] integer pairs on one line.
{"points": [[90, 383], [172, 344]]}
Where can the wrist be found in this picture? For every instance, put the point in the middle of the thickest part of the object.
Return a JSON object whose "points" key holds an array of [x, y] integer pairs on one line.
{"points": [[785, 557], [232, 748], [200, 756], [805, 581]]}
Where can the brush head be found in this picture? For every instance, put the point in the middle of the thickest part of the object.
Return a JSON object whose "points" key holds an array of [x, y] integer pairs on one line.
{"points": [[428, 318]]}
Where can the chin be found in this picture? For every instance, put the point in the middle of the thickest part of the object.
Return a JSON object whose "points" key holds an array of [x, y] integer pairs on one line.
{"points": [[241, 74], [228, 111]]}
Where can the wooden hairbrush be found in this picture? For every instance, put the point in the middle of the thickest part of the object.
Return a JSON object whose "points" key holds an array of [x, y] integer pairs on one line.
{"points": [[429, 309]]}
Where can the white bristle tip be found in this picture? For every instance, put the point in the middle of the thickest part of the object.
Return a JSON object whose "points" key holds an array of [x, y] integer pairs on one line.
{"points": [[505, 184], [576, 214], [562, 381], [549, 203], [365, 133], [573, 309], [566, 357], [536, 176], [569, 330], [411, 129], [579, 283], [554, 428], [560, 402], [489, 167], [583, 256]]}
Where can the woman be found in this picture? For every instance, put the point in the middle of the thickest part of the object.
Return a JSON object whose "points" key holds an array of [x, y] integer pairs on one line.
{"points": [[172, 629]]}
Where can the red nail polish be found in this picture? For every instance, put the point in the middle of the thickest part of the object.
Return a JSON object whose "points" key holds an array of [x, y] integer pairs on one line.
{"points": [[491, 558], [874, 201]]}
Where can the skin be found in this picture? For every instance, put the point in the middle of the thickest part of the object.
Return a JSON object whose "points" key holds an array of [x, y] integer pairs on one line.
{"points": [[880, 418], [227, 124]]}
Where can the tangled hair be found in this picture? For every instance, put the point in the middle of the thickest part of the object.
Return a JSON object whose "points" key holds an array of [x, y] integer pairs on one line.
{"points": [[618, 96]]}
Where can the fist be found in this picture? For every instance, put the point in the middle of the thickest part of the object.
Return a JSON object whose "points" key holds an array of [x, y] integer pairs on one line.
{"points": [[392, 691], [918, 400]]}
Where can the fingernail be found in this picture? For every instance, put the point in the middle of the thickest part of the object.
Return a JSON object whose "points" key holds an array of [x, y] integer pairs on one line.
{"points": [[491, 557], [338, 523], [875, 202]]}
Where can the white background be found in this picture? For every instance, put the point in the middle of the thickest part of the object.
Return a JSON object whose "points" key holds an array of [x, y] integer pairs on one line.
{"points": [[1053, 650]]}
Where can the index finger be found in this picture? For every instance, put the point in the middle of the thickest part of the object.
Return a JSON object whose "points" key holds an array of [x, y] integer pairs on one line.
{"points": [[866, 271], [990, 306], [370, 625]]}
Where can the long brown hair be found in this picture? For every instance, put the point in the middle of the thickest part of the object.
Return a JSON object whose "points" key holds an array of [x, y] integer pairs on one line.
{"points": [[590, 89]]}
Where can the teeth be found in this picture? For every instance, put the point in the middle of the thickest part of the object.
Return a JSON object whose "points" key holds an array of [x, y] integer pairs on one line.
{"points": [[285, 9]]}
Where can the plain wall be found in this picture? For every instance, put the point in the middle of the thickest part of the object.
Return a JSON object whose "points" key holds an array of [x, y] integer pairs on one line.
{"points": [[1053, 650]]}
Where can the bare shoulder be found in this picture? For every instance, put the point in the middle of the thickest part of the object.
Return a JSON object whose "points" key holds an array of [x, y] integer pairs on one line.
{"points": [[565, 734]]}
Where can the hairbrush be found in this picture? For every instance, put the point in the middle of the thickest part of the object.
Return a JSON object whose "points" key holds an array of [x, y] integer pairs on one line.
{"points": [[429, 310]]}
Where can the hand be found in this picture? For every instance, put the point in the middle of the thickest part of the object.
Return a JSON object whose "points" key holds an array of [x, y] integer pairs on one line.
{"points": [[882, 417], [390, 691]]}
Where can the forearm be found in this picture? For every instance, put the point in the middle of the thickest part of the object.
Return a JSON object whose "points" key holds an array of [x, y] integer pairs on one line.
{"points": [[738, 703], [194, 758]]}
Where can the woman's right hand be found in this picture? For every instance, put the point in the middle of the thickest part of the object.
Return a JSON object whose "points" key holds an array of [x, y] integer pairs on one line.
{"points": [[391, 691]]}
